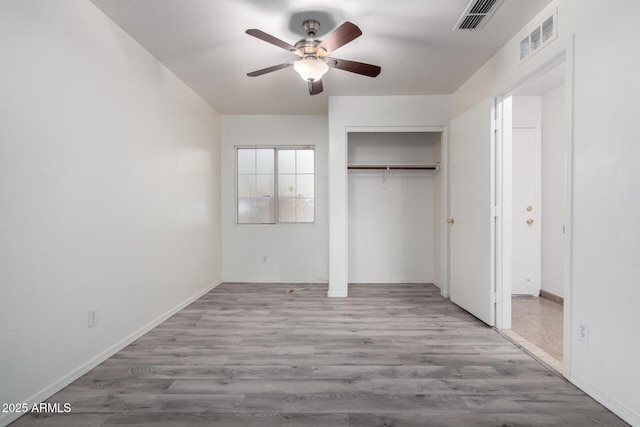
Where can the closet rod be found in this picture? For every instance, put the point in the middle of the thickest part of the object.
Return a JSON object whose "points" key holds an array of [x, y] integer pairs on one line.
{"points": [[392, 167]]}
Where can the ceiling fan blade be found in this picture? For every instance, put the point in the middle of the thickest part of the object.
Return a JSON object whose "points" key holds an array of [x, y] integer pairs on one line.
{"points": [[354, 67], [339, 37], [315, 87], [270, 69], [273, 40]]}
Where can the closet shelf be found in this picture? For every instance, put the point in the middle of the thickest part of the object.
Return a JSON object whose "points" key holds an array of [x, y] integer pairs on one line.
{"points": [[369, 166]]}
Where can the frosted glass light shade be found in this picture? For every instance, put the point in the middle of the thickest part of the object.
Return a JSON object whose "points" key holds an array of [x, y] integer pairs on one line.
{"points": [[310, 69]]}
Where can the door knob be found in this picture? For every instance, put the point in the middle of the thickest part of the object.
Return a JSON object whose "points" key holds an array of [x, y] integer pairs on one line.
{"points": [[530, 221], [451, 221]]}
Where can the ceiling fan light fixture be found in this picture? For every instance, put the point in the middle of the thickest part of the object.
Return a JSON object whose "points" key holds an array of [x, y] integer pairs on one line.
{"points": [[310, 68], [314, 60]]}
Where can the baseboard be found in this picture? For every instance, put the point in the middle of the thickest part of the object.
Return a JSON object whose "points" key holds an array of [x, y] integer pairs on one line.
{"points": [[47, 392], [346, 294], [272, 282], [390, 282], [551, 297], [442, 291], [337, 294], [603, 398]]}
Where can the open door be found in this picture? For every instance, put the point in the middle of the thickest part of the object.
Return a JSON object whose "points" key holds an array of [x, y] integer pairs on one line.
{"points": [[472, 219]]}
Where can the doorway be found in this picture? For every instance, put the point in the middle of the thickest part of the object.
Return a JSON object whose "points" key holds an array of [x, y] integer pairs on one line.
{"points": [[539, 146]]}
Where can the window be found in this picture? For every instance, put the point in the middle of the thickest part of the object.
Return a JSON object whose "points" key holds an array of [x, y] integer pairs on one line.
{"points": [[275, 185]]}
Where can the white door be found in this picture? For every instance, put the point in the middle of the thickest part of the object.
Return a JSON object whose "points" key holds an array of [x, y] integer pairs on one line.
{"points": [[471, 207], [526, 243]]}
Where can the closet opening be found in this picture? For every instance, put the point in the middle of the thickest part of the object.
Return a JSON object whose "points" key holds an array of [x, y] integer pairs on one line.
{"points": [[395, 206]]}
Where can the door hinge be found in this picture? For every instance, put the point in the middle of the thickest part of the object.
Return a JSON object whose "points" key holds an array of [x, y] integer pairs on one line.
{"points": [[496, 124], [494, 298], [496, 211]]}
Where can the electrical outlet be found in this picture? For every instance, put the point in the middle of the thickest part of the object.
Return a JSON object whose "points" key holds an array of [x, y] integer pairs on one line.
{"points": [[583, 331], [93, 316], [264, 259]]}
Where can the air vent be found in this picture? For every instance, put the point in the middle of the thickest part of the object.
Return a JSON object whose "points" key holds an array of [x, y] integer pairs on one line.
{"points": [[539, 37], [477, 14], [548, 29], [525, 48]]}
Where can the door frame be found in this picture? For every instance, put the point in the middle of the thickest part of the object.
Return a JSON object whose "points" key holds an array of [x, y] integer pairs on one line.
{"points": [[503, 199]]}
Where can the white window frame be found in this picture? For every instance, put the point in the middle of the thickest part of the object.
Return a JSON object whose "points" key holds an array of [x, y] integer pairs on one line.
{"points": [[276, 148]]}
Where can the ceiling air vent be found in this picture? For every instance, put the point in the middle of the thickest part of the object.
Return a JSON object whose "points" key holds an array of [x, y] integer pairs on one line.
{"points": [[476, 15]]}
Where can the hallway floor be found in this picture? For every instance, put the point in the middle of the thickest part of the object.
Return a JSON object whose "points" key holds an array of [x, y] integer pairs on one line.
{"points": [[537, 325]]}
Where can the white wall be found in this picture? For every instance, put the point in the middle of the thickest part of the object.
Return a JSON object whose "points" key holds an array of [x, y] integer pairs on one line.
{"points": [[345, 113], [391, 214], [109, 194], [526, 111], [554, 196], [604, 232], [295, 252]]}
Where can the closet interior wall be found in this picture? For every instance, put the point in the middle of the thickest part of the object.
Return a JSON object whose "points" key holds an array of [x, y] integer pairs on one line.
{"points": [[392, 214]]}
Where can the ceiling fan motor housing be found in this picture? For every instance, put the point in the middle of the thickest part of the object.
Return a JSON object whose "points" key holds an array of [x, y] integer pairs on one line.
{"points": [[311, 27], [308, 46]]}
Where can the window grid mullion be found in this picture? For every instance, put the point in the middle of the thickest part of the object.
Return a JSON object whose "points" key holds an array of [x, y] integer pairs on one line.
{"points": [[276, 189], [293, 199], [295, 188], [255, 183]]}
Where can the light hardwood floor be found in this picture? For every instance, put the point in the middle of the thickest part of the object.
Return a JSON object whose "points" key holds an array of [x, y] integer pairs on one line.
{"points": [[388, 355]]}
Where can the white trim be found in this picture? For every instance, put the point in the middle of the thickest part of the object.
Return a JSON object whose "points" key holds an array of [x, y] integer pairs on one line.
{"points": [[70, 377], [568, 229], [492, 203], [395, 282], [394, 129], [557, 59], [620, 409], [337, 294], [444, 212], [253, 280], [503, 221], [276, 174]]}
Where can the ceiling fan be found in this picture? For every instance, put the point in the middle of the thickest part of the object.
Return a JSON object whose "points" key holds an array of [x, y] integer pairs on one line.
{"points": [[314, 59]]}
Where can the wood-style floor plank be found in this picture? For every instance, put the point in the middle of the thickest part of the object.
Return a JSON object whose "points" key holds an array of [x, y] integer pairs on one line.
{"points": [[388, 355]]}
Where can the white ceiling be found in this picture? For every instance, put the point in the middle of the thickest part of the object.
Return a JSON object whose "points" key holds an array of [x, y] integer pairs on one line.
{"points": [[204, 43]]}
